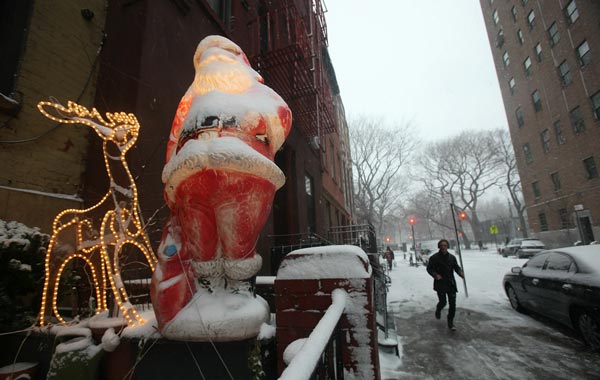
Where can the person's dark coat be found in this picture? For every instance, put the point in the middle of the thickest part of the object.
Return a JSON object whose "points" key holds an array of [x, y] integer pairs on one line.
{"points": [[445, 266]]}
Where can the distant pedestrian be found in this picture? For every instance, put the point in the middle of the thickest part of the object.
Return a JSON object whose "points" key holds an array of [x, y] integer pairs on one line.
{"points": [[389, 256], [441, 267]]}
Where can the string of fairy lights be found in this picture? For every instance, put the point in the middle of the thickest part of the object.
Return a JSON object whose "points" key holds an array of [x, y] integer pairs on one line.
{"points": [[119, 227]]}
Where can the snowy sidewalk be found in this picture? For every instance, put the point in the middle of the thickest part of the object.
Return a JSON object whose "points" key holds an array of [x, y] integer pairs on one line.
{"points": [[492, 342]]}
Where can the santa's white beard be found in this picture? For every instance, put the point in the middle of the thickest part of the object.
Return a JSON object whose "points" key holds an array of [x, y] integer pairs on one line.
{"points": [[230, 78]]}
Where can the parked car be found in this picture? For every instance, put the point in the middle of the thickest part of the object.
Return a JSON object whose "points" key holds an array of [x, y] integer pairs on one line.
{"points": [[522, 247], [562, 284]]}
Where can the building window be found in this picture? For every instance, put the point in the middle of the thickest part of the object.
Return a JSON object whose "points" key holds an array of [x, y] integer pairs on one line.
{"points": [[571, 12], [583, 53], [531, 19], [538, 52], [596, 104], [527, 66], [564, 71], [310, 202], [519, 116], [535, 186], [577, 120], [591, 170], [560, 138], [505, 59], [495, 17], [545, 136], [543, 221], [513, 11], [527, 153], [537, 101], [554, 34], [512, 84], [556, 181], [524, 2], [563, 217], [500, 38], [223, 9], [520, 36]]}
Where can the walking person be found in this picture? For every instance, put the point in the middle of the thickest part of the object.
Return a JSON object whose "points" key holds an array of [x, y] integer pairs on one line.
{"points": [[389, 256], [441, 267]]}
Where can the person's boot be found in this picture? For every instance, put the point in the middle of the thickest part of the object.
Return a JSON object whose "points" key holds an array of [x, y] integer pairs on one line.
{"points": [[438, 314], [451, 326]]}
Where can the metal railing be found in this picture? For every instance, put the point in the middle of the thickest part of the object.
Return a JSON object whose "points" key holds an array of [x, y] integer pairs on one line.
{"points": [[322, 349]]}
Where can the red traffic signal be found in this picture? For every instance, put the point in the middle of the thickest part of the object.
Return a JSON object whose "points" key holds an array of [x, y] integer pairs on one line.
{"points": [[411, 220], [462, 215]]}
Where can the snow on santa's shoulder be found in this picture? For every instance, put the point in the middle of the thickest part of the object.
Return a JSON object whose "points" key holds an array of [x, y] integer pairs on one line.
{"points": [[334, 261]]}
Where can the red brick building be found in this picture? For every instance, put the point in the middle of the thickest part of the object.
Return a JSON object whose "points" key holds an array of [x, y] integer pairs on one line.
{"points": [[136, 56], [547, 57]]}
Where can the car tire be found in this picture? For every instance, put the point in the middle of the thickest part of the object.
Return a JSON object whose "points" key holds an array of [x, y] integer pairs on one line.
{"points": [[589, 328], [513, 298]]}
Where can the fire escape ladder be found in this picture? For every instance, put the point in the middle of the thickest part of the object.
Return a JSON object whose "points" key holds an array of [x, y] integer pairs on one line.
{"points": [[286, 49]]}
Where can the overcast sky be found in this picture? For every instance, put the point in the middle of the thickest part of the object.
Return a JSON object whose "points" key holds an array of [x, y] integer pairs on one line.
{"points": [[424, 61]]}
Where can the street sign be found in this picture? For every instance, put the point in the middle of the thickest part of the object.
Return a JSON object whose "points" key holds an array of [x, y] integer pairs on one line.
{"points": [[578, 207], [494, 229]]}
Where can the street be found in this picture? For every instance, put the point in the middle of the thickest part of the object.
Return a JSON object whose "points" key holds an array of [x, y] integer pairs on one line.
{"points": [[492, 341]]}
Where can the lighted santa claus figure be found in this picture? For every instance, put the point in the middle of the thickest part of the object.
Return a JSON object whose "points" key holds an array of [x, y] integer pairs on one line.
{"points": [[220, 180]]}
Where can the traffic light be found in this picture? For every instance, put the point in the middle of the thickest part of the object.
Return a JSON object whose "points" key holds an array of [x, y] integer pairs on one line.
{"points": [[411, 220], [462, 215], [387, 239]]}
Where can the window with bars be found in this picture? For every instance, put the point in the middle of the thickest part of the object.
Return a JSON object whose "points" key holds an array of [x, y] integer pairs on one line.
{"points": [[527, 153], [553, 34], [538, 52], [556, 181], [537, 100], [500, 38], [512, 84], [583, 53], [560, 138], [564, 71], [596, 104], [495, 17], [591, 170], [571, 12], [527, 66], [531, 19], [543, 221], [505, 58], [524, 2], [535, 186], [577, 120], [563, 217], [545, 137], [520, 118], [513, 11]]}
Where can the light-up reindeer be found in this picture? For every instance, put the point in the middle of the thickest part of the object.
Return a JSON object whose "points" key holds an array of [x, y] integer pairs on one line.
{"points": [[81, 233]]}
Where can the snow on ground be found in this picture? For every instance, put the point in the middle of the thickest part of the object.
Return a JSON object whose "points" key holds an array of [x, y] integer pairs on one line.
{"points": [[492, 342], [484, 271]]}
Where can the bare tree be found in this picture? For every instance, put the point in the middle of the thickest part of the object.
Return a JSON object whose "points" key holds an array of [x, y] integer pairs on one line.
{"points": [[459, 171], [511, 180], [379, 153]]}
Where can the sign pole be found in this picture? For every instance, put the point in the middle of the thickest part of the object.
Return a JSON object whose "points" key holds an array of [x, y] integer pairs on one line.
{"points": [[458, 247]]}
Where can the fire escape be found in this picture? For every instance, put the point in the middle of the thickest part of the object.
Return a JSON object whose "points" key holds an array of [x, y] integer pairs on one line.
{"points": [[288, 47]]}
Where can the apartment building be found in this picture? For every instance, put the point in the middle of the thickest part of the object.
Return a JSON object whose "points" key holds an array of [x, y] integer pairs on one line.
{"points": [[547, 58], [136, 56]]}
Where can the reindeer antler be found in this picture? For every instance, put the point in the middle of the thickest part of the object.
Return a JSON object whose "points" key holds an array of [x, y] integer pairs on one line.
{"points": [[77, 114]]}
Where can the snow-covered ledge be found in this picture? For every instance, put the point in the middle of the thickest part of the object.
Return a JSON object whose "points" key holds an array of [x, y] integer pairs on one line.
{"points": [[305, 360], [304, 286]]}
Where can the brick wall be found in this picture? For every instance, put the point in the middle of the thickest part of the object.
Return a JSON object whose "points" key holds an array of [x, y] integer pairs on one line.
{"points": [[301, 303], [58, 61]]}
